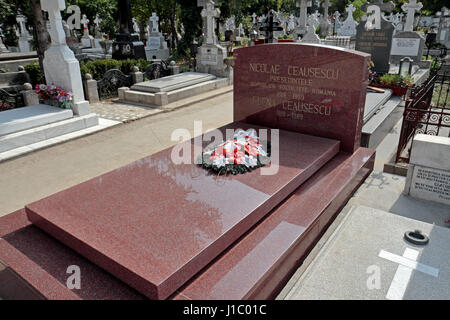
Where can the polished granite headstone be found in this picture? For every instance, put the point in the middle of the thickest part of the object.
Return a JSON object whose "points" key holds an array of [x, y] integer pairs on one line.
{"points": [[154, 224], [311, 89]]}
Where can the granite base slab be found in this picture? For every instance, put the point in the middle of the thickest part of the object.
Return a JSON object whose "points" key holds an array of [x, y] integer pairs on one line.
{"points": [[381, 123], [39, 262], [155, 224], [171, 83]]}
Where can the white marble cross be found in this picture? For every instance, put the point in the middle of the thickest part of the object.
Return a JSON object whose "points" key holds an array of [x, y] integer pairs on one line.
{"points": [[54, 8], [210, 13], [85, 21], [325, 6], [407, 264], [349, 26], [410, 9], [254, 18], [336, 15], [303, 5], [154, 19], [21, 21], [135, 26], [291, 23], [97, 21]]}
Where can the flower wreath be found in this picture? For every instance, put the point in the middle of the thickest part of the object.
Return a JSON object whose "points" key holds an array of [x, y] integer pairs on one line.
{"points": [[244, 153]]}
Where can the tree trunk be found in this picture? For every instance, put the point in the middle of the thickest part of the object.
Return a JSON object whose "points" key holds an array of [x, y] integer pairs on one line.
{"points": [[174, 26], [40, 32]]}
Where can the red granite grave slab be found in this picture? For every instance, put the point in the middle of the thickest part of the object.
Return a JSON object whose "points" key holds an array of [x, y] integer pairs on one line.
{"points": [[40, 261], [259, 265], [154, 224], [312, 89]]}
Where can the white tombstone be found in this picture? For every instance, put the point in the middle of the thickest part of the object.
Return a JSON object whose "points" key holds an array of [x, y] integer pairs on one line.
{"points": [[254, 21], [156, 47], [349, 26], [211, 56], [311, 36], [154, 22], [97, 23], [210, 13], [241, 30], [303, 5], [136, 28], [87, 40], [337, 22], [315, 18], [410, 9], [24, 36], [3, 48], [325, 24], [291, 23], [429, 169], [60, 65]]}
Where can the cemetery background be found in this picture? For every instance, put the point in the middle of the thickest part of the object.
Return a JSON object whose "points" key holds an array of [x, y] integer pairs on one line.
{"points": [[98, 69]]}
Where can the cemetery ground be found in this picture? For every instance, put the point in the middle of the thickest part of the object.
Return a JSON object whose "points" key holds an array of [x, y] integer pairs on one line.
{"points": [[96, 154]]}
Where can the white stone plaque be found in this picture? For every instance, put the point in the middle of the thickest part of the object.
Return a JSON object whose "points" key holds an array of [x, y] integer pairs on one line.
{"points": [[431, 184], [408, 47], [209, 56], [154, 43]]}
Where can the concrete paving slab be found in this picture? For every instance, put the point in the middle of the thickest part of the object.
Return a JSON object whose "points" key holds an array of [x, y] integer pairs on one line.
{"points": [[367, 258], [384, 191]]}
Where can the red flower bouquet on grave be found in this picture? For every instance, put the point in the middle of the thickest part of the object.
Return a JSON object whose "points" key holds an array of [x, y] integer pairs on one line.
{"points": [[54, 96], [244, 153]]}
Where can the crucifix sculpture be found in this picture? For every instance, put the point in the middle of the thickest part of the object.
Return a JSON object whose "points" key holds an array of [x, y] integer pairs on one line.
{"points": [[410, 9], [210, 13]]}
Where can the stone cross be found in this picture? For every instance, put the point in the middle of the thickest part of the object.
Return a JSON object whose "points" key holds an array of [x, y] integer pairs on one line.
{"points": [[350, 9], [135, 26], [325, 5], [254, 18], [210, 13], [291, 23], [336, 15], [303, 5], [97, 22], [85, 23], [154, 19], [410, 9], [54, 8], [349, 26], [21, 21]]}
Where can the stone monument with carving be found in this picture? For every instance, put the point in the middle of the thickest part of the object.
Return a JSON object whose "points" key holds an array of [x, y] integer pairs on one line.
{"points": [[156, 44], [60, 65], [211, 56], [127, 44]]}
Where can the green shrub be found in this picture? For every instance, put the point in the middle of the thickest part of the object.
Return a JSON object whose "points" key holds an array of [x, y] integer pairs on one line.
{"points": [[35, 73], [99, 67]]}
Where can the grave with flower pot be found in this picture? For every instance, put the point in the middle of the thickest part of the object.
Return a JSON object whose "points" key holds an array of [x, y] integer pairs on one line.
{"points": [[243, 208], [62, 107]]}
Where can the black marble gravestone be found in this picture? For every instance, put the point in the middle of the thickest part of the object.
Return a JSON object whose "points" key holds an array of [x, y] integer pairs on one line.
{"points": [[127, 44]]}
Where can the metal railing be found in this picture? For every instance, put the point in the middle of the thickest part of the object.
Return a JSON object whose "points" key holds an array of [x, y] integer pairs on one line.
{"points": [[427, 111]]}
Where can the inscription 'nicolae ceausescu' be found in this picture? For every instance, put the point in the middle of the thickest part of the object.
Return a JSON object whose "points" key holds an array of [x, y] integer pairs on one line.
{"points": [[296, 79]]}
